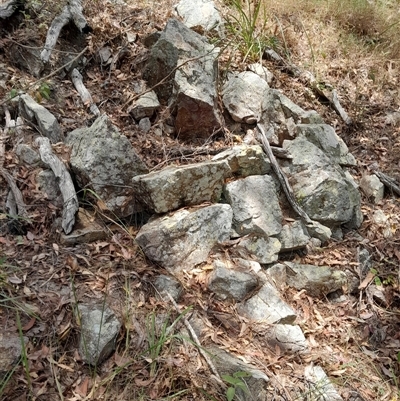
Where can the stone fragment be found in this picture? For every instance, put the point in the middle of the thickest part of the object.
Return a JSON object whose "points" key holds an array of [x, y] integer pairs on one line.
{"points": [[10, 350], [46, 181], [145, 125], [255, 205], [199, 14], [245, 160], [40, 117], [99, 331], [104, 161], [319, 281], [293, 236], [86, 229], [267, 307], [167, 284], [174, 187], [145, 106], [191, 90], [372, 187], [185, 238], [243, 96], [263, 250], [28, 155], [230, 284], [289, 338], [321, 387], [262, 72]]}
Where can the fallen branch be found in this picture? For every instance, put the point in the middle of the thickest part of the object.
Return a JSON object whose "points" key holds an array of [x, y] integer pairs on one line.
{"points": [[390, 182], [72, 11], [8, 7], [86, 97], [65, 183]]}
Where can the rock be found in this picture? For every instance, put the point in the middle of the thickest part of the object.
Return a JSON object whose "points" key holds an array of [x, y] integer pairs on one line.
{"points": [[319, 281], [185, 238], [230, 284], [243, 96], [86, 229], [255, 205], [276, 274], [318, 231], [289, 338], [99, 331], [262, 72], [372, 187], [166, 284], [245, 160], [28, 155], [46, 181], [10, 350], [145, 125], [228, 365], [321, 188], [192, 89], [27, 58], [145, 106], [174, 187], [104, 161], [321, 387], [325, 138], [251, 265], [199, 14], [40, 117], [267, 307], [262, 249], [293, 236]]}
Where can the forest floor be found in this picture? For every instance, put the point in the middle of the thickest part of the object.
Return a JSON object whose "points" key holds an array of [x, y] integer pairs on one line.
{"points": [[357, 342]]}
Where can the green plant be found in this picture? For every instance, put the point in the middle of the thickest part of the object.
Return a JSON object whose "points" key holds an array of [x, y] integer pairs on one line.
{"points": [[235, 381], [244, 27]]}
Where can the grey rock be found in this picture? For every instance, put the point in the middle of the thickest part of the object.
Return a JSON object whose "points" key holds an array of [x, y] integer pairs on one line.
{"points": [[167, 284], [317, 280], [174, 187], [185, 238], [230, 284], [262, 72], [255, 205], [321, 387], [99, 330], [318, 231], [199, 14], [46, 181], [276, 274], [264, 250], [243, 96], [250, 265], [267, 307], [289, 338], [28, 155], [145, 125], [325, 138], [145, 106], [103, 160], [245, 160], [322, 189], [372, 187], [228, 364], [293, 236], [86, 229], [192, 89], [10, 350], [39, 116]]}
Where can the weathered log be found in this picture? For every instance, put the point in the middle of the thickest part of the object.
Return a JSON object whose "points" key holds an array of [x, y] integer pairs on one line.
{"points": [[70, 200], [72, 11], [8, 7], [76, 78]]}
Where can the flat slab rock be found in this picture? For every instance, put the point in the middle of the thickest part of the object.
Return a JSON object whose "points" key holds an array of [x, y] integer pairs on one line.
{"points": [[289, 338], [174, 187], [185, 238]]}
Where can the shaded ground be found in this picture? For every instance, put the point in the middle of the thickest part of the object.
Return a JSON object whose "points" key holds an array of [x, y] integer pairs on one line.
{"points": [[356, 341]]}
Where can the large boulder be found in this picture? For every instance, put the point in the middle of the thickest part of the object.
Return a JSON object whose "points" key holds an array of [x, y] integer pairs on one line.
{"points": [[104, 161], [191, 88], [174, 187], [326, 193], [184, 239]]}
